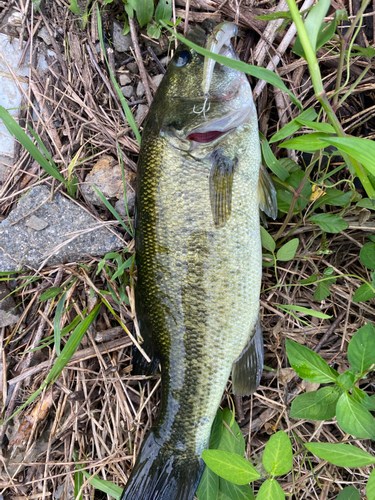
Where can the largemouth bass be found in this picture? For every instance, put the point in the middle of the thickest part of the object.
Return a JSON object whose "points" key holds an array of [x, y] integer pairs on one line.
{"points": [[198, 252]]}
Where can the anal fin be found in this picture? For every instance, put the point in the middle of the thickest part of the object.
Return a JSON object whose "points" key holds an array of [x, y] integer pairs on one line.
{"points": [[248, 367]]}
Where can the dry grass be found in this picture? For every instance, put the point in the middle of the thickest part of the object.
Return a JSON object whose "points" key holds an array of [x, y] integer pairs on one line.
{"points": [[97, 407]]}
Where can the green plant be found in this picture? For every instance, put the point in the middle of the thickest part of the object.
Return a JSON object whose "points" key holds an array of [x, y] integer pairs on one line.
{"points": [[342, 398], [144, 10]]}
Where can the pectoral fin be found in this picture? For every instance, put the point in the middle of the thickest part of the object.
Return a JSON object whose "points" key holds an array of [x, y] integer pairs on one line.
{"points": [[267, 193], [221, 181], [248, 367]]}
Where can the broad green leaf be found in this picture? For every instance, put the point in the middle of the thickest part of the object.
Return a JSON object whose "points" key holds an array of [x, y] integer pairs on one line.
{"points": [[363, 293], [349, 493], [230, 466], [326, 128], [322, 291], [330, 223], [163, 10], [270, 490], [333, 197], [305, 406], [56, 322], [308, 281], [346, 380], [50, 293], [284, 198], [208, 485], [258, 72], [216, 430], [363, 150], [294, 125], [370, 487], [308, 364], [366, 203], [268, 260], [354, 419], [232, 439], [153, 30], [272, 162], [327, 395], [288, 251], [306, 142], [342, 455], [314, 20], [144, 11], [367, 255], [305, 310], [278, 454], [235, 491], [361, 349], [267, 241], [363, 398]]}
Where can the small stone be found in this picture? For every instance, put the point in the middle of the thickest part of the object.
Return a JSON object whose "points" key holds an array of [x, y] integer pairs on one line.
{"points": [[107, 177], [140, 89], [157, 79], [165, 60], [121, 43], [120, 204], [127, 91], [45, 36], [8, 315], [124, 79], [132, 67], [36, 223], [141, 112]]}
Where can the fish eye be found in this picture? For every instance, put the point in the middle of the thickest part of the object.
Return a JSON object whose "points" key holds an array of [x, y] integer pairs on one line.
{"points": [[183, 57]]}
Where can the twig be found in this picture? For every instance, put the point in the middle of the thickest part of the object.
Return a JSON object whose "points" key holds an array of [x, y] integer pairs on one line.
{"points": [[139, 60], [329, 332]]}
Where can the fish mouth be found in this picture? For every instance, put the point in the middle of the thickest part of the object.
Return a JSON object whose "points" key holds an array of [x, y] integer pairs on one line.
{"points": [[213, 130]]}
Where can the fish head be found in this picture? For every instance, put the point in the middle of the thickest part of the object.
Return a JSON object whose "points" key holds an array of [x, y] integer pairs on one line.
{"points": [[184, 111]]}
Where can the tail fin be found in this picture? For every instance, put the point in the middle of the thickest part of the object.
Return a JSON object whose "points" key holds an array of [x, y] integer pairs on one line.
{"points": [[161, 473]]}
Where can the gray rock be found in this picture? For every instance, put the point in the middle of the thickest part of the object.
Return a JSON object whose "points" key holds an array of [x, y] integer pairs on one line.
{"points": [[121, 43], [140, 89], [124, 79], [157, 79], [127, 91], [8, 315], [66, 238], [36, 223], [45, 36], [133, 67], [120, 204], [141, 112]]}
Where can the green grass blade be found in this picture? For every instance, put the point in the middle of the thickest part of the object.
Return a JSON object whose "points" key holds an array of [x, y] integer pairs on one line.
{"points": [[71, 345], [105, 486], [56, 322], [257, 72], [125, 107], [121, 269], [27, 143], [112, 210]]}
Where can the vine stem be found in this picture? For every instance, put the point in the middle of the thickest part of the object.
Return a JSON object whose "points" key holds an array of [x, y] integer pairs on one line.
{"points": [[321, 95]]}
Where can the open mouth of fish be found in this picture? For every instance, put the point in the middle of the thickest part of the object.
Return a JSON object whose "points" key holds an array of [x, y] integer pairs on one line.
{"points": [[218, 43]]}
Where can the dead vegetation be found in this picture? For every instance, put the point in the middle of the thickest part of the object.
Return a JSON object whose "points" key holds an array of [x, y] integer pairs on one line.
{"points": [[96, 410]]}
